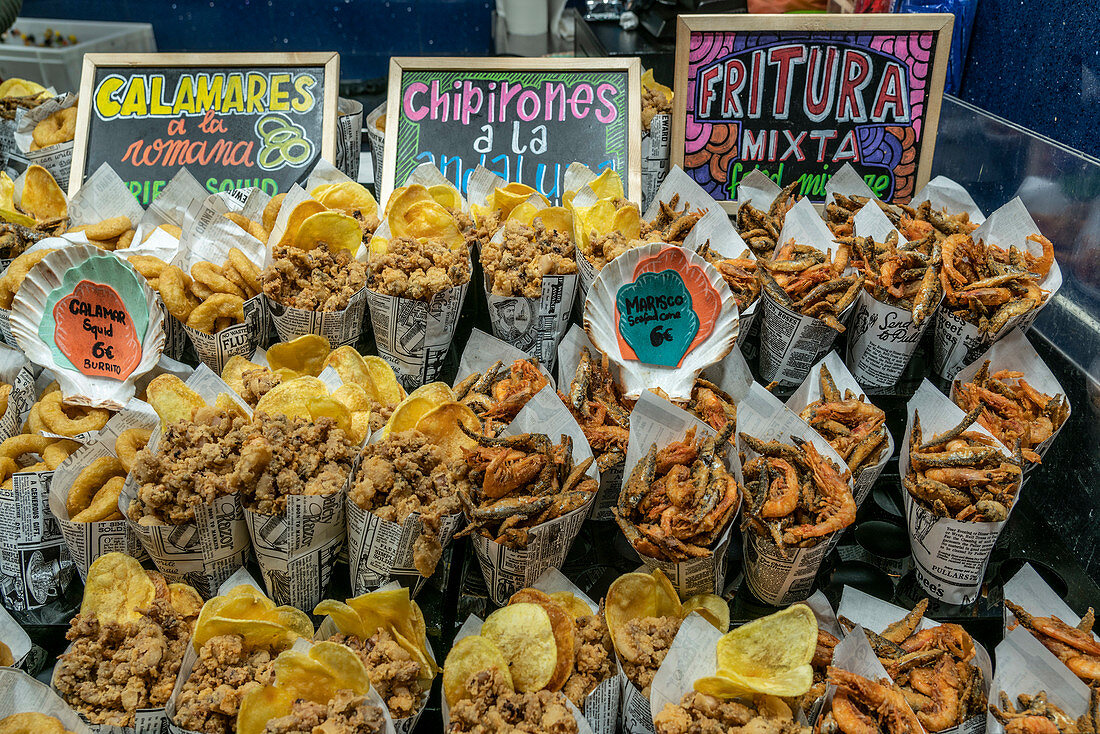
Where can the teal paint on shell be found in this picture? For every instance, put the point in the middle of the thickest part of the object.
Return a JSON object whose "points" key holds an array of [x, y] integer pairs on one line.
{"points": [[656, 317]]}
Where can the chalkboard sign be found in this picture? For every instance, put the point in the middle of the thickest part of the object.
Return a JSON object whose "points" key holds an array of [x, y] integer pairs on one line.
{"points": [[798, 96], [233, 120], [524, 119]]}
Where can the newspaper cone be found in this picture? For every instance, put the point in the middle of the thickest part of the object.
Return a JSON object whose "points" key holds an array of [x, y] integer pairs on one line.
{"points": [[207, 551], [17, 640], [376, 137], [854, 654], [810, 391], [472, 626], [24, 694], [328, 628], [535, 325], [349, 136], [654, 420], [692, 655], [950, 556], [56, 158], [17, 371], [875, 614], [655, 155], [1025, 666], [775, 577], [415, 336], [507, 570], [569, 356], [1014, 352], [87, 541], [209, 239], [957, 341]]}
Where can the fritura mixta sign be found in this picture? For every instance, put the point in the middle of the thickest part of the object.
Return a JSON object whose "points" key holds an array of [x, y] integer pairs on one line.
{"points": [[800, 103]]}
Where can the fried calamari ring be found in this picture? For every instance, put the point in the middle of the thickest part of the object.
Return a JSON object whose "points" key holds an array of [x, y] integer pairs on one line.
{"points": [[201, 290], [128, 443], [77, 420], [247, 269], [218, 305], [5, 393], [90, 480], [148, 265], [108, 229], [24, 443], [175, 291], [125, 239], [35, 424], [60, 127], [211, 276], [58, 451], [271, 211], [103, 504], [8, 466], [17, 273], [237, 279]]}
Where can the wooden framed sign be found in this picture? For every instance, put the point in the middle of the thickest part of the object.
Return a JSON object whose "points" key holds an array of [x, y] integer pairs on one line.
{"points": [[798, 96], [233, 120], [524, 119]]}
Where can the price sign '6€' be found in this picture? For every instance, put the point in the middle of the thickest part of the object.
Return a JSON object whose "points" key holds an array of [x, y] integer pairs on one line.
{"points": [[91, 319]]}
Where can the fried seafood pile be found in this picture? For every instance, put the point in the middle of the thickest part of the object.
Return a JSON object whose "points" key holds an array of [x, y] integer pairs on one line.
{"points": [[851, 425], [394, 673], [809, 282], [345, 713], [494, 707], [406, 473], [515, 266], [227, 669], [600, 409], [759, 229], [1077, 647], [1036, 715], [740, 274], [1011, 409], [497, 394], [863, 706], [906, 277], [933, 667], [793, 494], [417, 269], [699, 712], [321, 279], [962, 474], [519, 482], [643, 644], [679, 499]]}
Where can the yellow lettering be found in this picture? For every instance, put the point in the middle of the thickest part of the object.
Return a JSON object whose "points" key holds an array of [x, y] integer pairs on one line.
{"points": [[185, 96], [257, 90], [303, 85], [280, 96], [208, 93], [135, 103], [156, 96], [105, 103], [234, 94]]}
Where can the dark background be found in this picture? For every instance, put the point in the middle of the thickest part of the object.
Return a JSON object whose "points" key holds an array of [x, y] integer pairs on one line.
{"points": [[1034, 63]]}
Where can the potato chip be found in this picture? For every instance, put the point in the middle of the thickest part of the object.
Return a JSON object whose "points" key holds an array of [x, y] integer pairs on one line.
{"points": [[564, 632], [117, 589], [731, 683], [360, 426], [234, 369], [7, 192], [292, 398], [349, 364], [447, 196], [468, 657], [346, 619], [771, 653], [335, 229], [299, 214], [10, 215], [261, 705], [229, 406], [524, 213], [257, 633], [386, 387], [631, 596], [572, 603], [305, 355], [319, 191], [712, 608], [558, 219], [349, 197], [171, 399], [401, 199], [628, 221], [42, 198], [525, 636], [441, 424], [354, 397], [408, 413], [512, 195], [344, 670], [437, 392], [428, 220], [608, 185], [31, 722], [386, 609], [326, 406], [294, 620], [648, 82], [668, 602], [13, 87], [185, 600]]}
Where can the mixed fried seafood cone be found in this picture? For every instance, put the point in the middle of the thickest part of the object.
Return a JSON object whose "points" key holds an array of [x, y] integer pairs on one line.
{"points": [[1020, 396], [402, 510], [995, 277], [830, 401], [798, 498], [941, 670], [961, 485], [498, 393], [529, 494]]}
